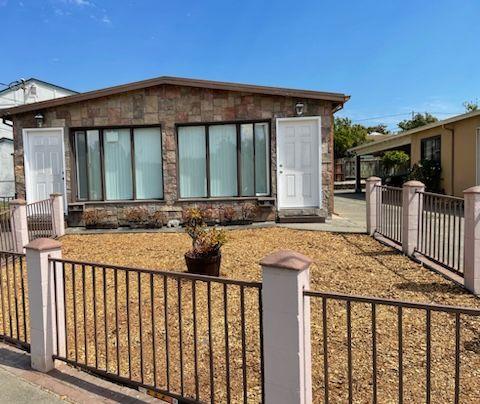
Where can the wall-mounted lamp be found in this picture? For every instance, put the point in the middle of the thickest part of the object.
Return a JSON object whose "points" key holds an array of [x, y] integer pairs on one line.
{"points": [[299, 108], [39, 119]]}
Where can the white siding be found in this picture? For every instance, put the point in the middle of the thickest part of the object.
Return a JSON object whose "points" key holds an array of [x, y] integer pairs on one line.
{"points": [[7, 185]]}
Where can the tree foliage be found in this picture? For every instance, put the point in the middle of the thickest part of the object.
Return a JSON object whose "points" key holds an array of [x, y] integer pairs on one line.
{"points": [[470, 106], [347, 135], [394, 159], [417, 121]]}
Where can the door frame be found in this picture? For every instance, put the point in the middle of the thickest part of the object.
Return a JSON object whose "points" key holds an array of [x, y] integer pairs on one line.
{"points": [[26, 160], [277, 137]]}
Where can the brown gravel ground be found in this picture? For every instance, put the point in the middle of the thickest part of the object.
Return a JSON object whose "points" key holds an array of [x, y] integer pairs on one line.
{"points": [[353, 264]]}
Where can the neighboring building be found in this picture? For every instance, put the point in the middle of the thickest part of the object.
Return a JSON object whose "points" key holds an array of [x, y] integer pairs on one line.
{"points": [[454, 142], [22, 92], [169, 143], [7, 181]]}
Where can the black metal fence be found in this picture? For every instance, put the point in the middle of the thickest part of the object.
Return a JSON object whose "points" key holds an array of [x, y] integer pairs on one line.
{"points": [[441, 230], [4, 202], [14, 321], [194, 338], [40, 220], [389, 212], [7, 237], [381, 350]]}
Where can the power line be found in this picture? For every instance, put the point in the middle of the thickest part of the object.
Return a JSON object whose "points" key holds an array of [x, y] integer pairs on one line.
{"points": [[402, 114]]}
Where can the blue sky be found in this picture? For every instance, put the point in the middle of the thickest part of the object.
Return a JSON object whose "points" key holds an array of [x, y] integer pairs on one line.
{"points": [[392, 57]]}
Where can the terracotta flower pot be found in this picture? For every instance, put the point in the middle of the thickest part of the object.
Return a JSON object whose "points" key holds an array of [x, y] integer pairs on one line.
{"points": [[204, 265]]}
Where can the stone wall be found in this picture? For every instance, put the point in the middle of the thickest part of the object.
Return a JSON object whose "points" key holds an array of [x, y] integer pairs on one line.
{"points": [[169, 105]]}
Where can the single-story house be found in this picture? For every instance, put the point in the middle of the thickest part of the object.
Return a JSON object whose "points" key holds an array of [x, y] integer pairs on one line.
{"points": [[170, 143], [18, 93], [454, 142]]}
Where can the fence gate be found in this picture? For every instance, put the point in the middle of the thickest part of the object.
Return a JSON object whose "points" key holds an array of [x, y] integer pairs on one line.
{"points": [[194, 338], [40, 219]]}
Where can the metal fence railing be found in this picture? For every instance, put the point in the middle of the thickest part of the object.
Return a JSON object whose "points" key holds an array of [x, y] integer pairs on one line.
{"points": [[389, 212], [380, 350], [7, 237], [14, 317], [194, 338], [40, 220], [441, 230]]}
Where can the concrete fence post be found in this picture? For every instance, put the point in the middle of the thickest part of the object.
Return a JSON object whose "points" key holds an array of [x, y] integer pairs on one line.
{"points": [[58, 217], [286, 328], [372, 199], [411, 201], [471, 241], [18, 224], [41, 294]]}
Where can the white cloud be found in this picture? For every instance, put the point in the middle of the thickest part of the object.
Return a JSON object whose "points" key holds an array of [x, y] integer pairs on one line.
{"points": [[81, 2], [106, 20]]}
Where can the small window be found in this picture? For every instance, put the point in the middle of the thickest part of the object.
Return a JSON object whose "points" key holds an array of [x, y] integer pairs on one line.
{"points": [[431, 148]]}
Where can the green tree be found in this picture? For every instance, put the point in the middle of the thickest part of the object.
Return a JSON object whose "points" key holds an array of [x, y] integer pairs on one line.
{"points": [[394, 160], [347, 135], [417, 121], [470, 106], [381, 128]]}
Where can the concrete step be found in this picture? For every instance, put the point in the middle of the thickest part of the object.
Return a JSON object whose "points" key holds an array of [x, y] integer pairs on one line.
{"points": [[301, 219]]}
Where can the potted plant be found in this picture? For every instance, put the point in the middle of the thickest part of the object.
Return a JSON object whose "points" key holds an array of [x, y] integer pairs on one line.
{"points": [[204, 257], [98, 219], [137, 217]]}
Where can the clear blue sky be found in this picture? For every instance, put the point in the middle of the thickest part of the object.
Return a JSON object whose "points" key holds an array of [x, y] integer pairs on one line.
{"points": [[392, 57]]}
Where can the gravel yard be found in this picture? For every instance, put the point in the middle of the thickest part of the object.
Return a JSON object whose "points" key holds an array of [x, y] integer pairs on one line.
{"points": [[353, 264]]}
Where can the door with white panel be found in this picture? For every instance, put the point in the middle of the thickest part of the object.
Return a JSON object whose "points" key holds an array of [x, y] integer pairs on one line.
{"points": [[44, 163], [298, 163]]}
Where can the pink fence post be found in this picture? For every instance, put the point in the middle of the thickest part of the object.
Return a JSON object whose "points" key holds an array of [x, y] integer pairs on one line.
{"points": [[58, 217], [286, 328], [410, 210], [372, 201], [471, 243], [18, 223], [41, 295]]}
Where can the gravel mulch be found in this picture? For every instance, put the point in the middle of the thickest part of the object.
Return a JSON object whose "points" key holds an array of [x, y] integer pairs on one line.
{"points": [[353, 264]]}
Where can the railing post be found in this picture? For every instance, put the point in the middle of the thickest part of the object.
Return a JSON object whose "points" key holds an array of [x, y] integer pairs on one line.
{"points": [[19, 224], [58, 218], [411, 201], [371, 198], [471, 242], [41, 295], [286, 328]]}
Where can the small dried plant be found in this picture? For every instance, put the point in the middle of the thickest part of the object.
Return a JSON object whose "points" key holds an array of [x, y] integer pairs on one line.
{"points": [[157, 219], [137, 215], [249, 211], [92, 217], [228, 213]]}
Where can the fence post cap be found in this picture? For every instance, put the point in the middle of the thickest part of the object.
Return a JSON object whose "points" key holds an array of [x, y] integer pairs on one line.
{"points": [[414, 184], [18, 202], [55, 194], [286, 259], [373, 179], [44, 244], [472, 190]]}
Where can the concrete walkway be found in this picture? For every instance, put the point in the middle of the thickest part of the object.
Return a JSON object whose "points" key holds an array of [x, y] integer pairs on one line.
{"points": [[349, 216], [20, 384]]}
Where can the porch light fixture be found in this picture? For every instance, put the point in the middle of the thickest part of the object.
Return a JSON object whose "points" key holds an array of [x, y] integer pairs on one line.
{"points": [[299, 108], [39, 119]]}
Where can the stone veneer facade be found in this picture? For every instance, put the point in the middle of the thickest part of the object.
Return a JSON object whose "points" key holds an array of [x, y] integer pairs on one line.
{"points": [[168, 105]]}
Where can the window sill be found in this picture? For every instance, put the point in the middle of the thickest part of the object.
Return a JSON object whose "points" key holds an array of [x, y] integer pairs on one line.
{"points": [[125, 202], [228, 199]]}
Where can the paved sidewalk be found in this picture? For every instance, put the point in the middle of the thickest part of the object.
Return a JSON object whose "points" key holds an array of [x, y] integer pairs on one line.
{"points": [[20, 384], [18, 391]]}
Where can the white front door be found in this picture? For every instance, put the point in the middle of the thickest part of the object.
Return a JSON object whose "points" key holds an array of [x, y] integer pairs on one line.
{"points": [[44, 166], [298, 162]]}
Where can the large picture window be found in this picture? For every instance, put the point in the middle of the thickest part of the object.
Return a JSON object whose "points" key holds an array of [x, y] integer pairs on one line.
{"points": [[119, 164], [224, 160]]}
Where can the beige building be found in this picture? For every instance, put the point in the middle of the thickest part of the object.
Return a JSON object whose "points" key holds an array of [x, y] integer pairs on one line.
{"points": [[455, 142]]}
